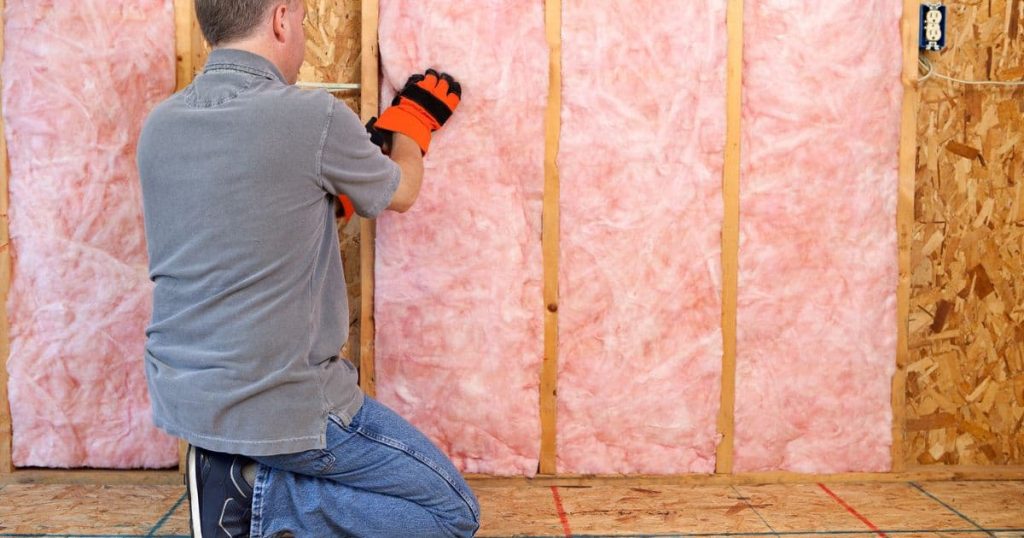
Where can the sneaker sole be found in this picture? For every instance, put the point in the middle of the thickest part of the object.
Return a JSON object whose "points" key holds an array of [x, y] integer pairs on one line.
{"points": [[193, 494]]}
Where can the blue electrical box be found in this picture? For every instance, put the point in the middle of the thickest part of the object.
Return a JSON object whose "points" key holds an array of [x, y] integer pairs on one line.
{"points": [[933, 26]]}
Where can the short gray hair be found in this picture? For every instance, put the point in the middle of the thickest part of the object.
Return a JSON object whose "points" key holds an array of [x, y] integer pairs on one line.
{"points": [[227, 20]]}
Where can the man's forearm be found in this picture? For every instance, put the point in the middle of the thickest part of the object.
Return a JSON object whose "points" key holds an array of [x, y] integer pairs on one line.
{"points": [[409, 158]]}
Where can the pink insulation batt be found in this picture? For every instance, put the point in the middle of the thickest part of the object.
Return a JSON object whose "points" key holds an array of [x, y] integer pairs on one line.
{"points": [[817, 304], [78, 79], [458, 278], [643, 135]]}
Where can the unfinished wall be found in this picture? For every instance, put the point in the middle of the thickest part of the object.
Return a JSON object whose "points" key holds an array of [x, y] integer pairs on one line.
{"points": [[78, 80], [639, 360], [965, 386], [965, 379], [816, 314]]}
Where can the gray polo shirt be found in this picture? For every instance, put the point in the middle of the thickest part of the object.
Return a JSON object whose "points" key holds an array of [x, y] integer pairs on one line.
{"points": [[239, 175]]}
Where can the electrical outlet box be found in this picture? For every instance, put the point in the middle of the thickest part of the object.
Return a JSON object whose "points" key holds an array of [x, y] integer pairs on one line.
{"points": [[933, 26]]}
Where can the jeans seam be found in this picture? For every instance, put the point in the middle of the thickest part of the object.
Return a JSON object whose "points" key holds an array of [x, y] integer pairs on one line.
{"points": [[255, 523], [331, 461], [395, 444]]}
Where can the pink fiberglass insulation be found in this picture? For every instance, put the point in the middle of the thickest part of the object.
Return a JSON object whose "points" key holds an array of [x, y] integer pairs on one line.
{"points": [[640, 165], [458, 296], [817, 303], [78, 79]]}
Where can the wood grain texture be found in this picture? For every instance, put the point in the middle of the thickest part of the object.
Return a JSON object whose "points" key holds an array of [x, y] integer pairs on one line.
{"points": [[959, 386], [904, 224], [965, 369], [333, 48], [613, 509], [184, 16], [191, 49], [6, 465], [730, 234], [918, 473], [369, 102], [550, 241], [913, 473]]}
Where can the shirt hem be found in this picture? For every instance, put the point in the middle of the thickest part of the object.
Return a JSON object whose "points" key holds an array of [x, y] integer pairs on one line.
{"points": [[270, 447], [347, 411], [267, 447]]}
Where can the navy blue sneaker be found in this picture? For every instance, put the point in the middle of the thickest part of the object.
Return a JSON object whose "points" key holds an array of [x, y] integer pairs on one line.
{"points": [[220, 499]]}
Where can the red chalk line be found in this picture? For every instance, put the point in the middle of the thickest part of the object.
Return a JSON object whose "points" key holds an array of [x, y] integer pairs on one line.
{"points": [[852, 511], [561, 512]]}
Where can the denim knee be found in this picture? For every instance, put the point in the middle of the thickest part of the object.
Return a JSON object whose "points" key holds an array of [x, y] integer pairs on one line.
{"points": [[463, 524], [464, 521]]}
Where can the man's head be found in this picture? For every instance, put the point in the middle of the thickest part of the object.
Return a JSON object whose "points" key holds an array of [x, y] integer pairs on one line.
{"points": [[270, 28]]}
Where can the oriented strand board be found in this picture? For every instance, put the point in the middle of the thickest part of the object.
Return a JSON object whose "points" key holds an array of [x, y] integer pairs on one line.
{"points": [[517, 511], [992, 505], [671, 510], [816, 314], [591, 509], [897, 506], [333, 48], [965, 379], [894, 507], [85, 510]]}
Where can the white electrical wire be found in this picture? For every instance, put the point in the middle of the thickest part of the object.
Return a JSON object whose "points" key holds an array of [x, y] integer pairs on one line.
{"points": [[929, 69], [329, 86]]}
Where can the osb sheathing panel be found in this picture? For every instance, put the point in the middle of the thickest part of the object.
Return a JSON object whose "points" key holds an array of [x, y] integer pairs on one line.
{"points": [[333, 55], [965, 379], [332, 45]]}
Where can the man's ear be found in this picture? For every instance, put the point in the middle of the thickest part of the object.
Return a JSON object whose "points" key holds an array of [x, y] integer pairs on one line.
{"points": [[278, 20]]}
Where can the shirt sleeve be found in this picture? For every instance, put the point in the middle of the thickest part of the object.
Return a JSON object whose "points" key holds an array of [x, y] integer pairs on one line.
{"points": [[352, 165]]}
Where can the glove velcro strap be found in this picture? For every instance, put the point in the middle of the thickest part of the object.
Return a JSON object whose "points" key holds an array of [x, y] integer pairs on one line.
{"points": [[379, 137], [434, 106], [399, 120]]}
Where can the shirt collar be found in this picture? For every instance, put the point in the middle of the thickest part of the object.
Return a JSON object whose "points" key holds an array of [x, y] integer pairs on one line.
{"points": [[244, 61]]}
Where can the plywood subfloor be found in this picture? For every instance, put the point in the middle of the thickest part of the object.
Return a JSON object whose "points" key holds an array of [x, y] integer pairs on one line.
{"points": [[960, 509]]}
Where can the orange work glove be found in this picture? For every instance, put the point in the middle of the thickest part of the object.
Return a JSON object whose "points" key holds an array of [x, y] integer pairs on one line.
{"points": [[345, 209], [422, 107]]}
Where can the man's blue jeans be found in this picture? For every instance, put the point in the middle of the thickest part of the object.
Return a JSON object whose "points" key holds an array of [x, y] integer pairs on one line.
{"points": [[377, 477]]}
